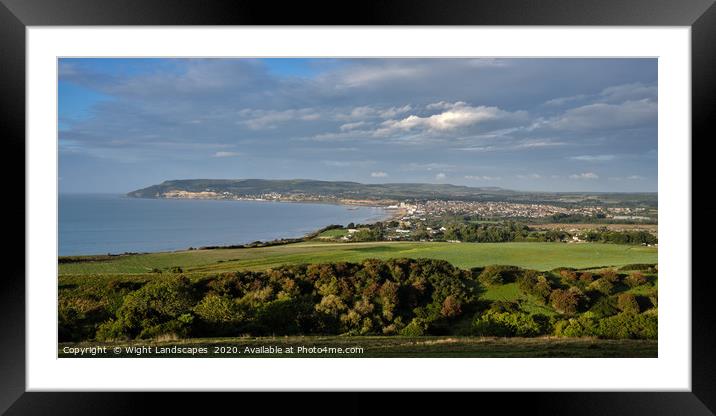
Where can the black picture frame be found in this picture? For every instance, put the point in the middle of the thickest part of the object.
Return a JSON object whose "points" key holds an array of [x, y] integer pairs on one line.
{"points": [[15, 15]]}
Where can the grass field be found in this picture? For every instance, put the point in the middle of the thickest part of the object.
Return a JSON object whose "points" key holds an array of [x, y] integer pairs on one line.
{"points": [[387, 347], [333, 233], [540, 256]]}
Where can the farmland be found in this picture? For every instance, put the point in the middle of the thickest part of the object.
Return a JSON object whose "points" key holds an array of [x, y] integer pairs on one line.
{"points": [[538, 256]]}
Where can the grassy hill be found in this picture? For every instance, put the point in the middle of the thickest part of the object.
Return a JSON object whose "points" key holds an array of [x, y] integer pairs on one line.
{"points": [[388, 191], [540, 256]]}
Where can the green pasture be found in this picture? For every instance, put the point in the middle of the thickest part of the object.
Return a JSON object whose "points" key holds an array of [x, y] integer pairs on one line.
{"points": [[540, 256]]}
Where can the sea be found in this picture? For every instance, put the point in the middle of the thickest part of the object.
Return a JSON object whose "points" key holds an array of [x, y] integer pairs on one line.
{"points": [[108, 223]]}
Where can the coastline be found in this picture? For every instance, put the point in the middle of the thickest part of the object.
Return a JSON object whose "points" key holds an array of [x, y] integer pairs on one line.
{"points": [[281, 236]]}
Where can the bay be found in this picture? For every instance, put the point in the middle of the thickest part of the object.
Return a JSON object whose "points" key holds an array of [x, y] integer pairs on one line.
{"points": [[104, 223]]}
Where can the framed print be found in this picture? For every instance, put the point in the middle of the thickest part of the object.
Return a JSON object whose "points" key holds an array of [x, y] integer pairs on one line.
{"points": [[476, 198]]}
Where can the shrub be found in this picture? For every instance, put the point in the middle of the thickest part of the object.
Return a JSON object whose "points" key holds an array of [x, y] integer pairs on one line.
{"points": [[510, 324], [148, 311], [287, 317], [602, 286], [567, 301], [417, 327], [451, 307], [175, 328], [629, 325], [584, 326], [498, 274], [371, 297], [568, 274], [504, 306], [586, 277], [79, 317], [219, 315], [635, 279], [637, 266], [331, 305], [604, 306], [112, 330], [611, 276], [626, 302], [491, 276], [537, 285]]}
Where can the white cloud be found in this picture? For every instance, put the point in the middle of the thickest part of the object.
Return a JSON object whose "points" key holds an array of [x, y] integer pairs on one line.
{"points": [[627, 178], [227, 154], [458, 116], [478, 149], [444, 105], [629, 92], [427, 166], [440, 176], [593, 158], [530, 176], [365, 112], [482, 178], [564, 100], [348, 163], [361, 76], [613, 94], [394, 111], [352, 126], [599, 116], [269, 119], [528, 144], [378, 174], [585, 175]]}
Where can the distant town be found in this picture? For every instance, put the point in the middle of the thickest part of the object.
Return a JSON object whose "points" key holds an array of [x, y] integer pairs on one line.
{"points": [[419, 209]]}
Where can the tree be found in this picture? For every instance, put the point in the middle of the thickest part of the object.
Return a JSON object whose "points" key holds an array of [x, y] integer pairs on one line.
{"points": [[452, 307], [602, 285], [635, 279], [626, 302], [568, 274], [611, 275], [566, 301], [586, 277]]}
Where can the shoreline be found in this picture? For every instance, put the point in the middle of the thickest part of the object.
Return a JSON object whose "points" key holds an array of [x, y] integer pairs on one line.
{"points": [[348, 202], [388, 215]]}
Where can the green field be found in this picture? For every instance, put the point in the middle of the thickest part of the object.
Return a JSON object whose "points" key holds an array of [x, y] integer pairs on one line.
{"points": [[387, 347], [333, 233], [540, 256]]}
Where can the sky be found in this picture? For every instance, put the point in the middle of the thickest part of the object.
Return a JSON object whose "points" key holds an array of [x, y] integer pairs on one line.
{"points": [[524, 124]]}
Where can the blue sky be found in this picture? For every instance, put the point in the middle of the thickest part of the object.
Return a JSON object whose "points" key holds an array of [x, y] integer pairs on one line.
{"points": [[525, 124]]}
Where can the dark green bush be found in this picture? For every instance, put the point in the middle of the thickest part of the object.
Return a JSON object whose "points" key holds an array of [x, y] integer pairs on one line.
{"points": [[602, 286], [567, 301], [637, 266], [150, 310], [417, 327], [586, 325], [635, 279], [399, 296], [497, 275], [629, 325], [510, 324], [604, 306], [626, 302], [535, 284]]}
